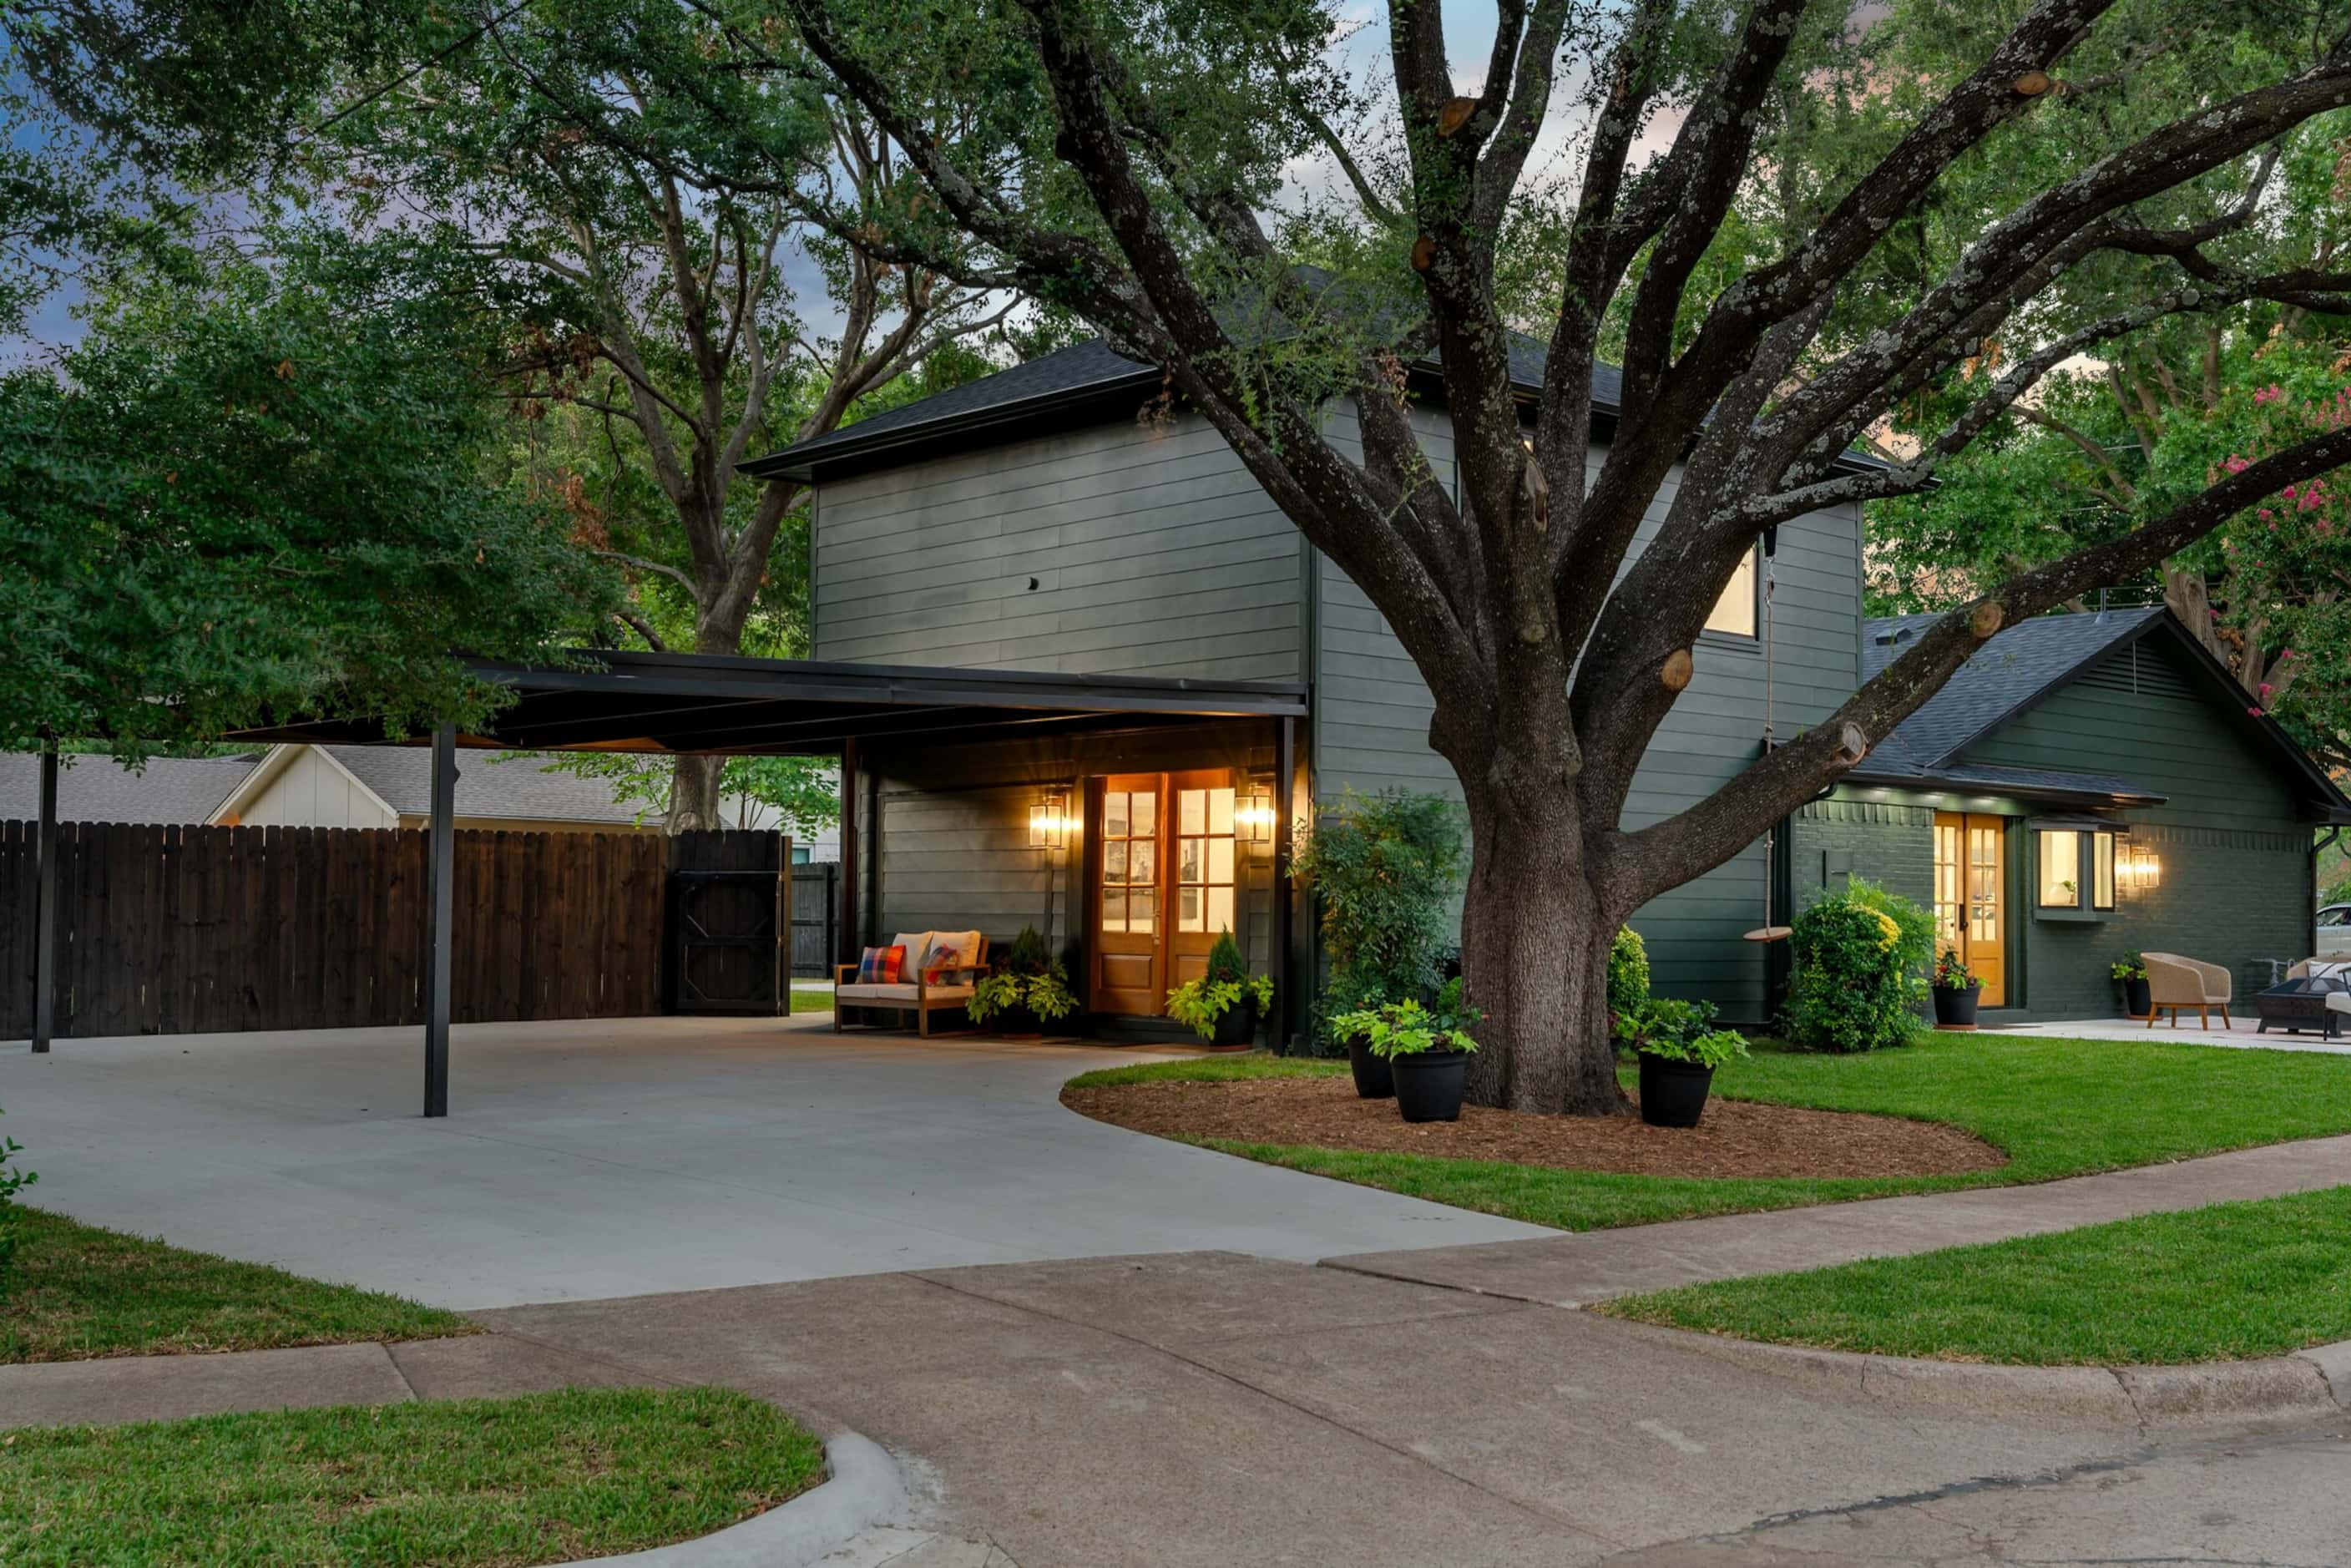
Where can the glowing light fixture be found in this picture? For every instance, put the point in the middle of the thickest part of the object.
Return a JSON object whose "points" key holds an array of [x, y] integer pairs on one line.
{"points": [[1253, 821], [2137, 868], [1049, 822]]}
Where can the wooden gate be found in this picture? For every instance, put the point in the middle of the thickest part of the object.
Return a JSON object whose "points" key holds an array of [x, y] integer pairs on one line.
{"points": [[728, 952]]}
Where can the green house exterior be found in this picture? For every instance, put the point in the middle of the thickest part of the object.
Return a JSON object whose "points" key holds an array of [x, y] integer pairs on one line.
{"points": [[2087, 725]]}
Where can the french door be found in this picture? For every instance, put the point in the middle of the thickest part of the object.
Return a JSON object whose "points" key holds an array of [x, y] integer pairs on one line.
{"points": [[1162, 883], [1971, 897]]}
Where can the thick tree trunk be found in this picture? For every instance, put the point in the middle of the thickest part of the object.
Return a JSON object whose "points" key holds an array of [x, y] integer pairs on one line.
{"points": [[1534, 955], [693, 802]]}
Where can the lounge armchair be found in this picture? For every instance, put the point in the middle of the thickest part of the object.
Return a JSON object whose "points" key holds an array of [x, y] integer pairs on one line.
{"points": [[961, 955], [2176, 982]]}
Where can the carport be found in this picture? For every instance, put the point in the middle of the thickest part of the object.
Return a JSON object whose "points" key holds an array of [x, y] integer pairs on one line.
{"points": [[687, 704]]}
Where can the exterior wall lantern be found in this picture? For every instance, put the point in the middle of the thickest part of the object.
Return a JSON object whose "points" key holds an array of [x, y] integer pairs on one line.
{"points": [[1254, 820], [1049, 821], [2138, 868]]}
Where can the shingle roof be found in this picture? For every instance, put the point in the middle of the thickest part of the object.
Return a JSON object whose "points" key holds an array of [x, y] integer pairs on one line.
{"points": [[100, 790], [488, 785], [2012, 670]]}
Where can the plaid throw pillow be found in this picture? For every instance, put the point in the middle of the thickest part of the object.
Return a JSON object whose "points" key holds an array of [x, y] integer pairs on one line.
{"points": [[879, 965]]}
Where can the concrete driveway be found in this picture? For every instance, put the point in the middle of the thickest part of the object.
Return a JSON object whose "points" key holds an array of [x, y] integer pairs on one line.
{"points": [[621, 1157]]}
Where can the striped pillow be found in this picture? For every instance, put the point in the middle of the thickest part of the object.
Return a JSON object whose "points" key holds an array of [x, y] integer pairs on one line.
{"points": [[879, 965]]}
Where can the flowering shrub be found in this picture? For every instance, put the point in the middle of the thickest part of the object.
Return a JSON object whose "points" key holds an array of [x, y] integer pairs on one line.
{"points": [[1953, 975], [1858, 983]]}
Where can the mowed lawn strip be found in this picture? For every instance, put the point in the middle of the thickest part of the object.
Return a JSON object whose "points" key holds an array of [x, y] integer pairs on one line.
{"points": [[2057, 1107], [476, 1483], [2232, 1281], [78, 1292]]}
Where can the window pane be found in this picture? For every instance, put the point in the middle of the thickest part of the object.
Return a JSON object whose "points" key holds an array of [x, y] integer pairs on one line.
{"points": [[2061, 868], [1145, 809], [1188, 909], [1113, 911], [1735, 612], [1191, 810], [1220, 811], [1220, 909], [1220, 860], [1187, 860], [1115, 860], [1114, 816], [1140, 910], [2101, 862], [1142, 862]]}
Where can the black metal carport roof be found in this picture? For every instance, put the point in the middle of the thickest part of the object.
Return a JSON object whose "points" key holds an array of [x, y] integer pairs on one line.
{"points": [[671, 703]]}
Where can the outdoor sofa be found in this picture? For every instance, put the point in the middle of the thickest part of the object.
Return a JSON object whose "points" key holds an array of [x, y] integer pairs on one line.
{"points": [[958, 958]]}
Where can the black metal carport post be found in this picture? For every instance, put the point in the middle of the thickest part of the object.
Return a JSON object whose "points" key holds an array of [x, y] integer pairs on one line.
{"points": [[440, 869], [45, 918]]}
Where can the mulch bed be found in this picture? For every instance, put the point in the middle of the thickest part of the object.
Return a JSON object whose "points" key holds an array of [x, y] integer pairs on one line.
{"points": [[1734, 1139]]}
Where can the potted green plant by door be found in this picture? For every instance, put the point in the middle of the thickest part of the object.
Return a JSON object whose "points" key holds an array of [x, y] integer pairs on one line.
{"points": [[2130, 969], [1957, 990], [1028, 990], [1222, 1006], [1426, 1047], [1679, 1052]]}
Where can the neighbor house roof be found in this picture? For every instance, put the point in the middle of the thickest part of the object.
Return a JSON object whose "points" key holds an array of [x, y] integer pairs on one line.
{"points": [[2021, 667], [92, 788], [515, 787]]}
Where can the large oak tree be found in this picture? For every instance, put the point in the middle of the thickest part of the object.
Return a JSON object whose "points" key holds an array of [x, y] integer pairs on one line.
{"points": [[1105, 174]]}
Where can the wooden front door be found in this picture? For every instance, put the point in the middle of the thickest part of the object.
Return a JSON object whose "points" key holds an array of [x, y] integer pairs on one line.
{"points": [[1163, 884], [1971, 896]]}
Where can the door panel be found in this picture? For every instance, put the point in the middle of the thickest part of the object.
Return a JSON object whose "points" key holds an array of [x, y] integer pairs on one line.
{"points": [[1971, 896], [1201, 882], [1128, 818]]}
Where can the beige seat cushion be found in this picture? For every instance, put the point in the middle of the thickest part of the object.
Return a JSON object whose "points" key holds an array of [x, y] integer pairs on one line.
{"points": [[903, 994]]}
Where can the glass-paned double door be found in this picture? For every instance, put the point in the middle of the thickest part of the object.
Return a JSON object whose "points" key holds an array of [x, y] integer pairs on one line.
{"points": [[1164, 875], [1971, 897]]}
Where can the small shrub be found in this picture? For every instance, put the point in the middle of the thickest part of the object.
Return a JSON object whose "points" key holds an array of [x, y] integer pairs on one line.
{"points": [[2130, 967], [1200, 1004], [1407, 1028], [1028, 977], [1628, 973], [1385, 869], [1951, 973], [11, 1182], [1857, 982]]}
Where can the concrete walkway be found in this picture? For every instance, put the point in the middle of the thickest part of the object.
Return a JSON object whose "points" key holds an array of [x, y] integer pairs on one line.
{"points": [[619, 1156], [1572, 1269], [2241, 1032]]}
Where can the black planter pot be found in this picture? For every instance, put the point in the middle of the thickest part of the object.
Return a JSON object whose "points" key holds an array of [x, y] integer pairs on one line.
{"points": [[1020, 1022], [1956, 1009], [1374, 1079], [2137, 1002], [1236, 1027], [1672, 1092], [1429, 1085]]}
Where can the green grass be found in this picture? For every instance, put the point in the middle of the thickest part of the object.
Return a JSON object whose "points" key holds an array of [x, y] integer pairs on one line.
{"points": [[811, 1001], [77, 1292], [2234, 1280], [2056, 1107], [459, 1484]]}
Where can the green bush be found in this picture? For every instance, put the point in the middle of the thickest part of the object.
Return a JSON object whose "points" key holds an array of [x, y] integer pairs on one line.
{"points": [[1201, 1004], [10, 1181], [1385, 867], [1029, 975], [1858, 979], [1628, 973]]}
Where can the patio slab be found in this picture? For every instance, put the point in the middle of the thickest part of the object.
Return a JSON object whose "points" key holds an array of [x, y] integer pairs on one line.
{"points": [[617, 1157], [2240, 1032]]}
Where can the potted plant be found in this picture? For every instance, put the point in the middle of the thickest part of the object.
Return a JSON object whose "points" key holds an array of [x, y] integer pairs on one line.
{"points": [[1679, 1054], [1956, 989], [1028, 990], [1426, 1047], [2131, 970], [1222, 1006]]}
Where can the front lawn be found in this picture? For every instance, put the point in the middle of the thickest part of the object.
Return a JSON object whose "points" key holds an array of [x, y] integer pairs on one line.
{"points": [[2238, 1279], [810, 999], [2056, 1107], [459, 1484], [77, 1292]]}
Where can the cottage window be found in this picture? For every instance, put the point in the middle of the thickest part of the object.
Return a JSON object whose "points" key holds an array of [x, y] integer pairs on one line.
{"points": [[2075, 871], [2101, 871], [1734, 612], [2061, 869]]}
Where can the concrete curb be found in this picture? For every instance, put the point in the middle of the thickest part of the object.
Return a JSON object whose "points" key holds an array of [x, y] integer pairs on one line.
{"points": [[863, 1489], [2204, 1395]]}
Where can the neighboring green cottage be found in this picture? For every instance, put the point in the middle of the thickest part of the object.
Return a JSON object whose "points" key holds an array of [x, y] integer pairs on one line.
{"points": [[2088, 786]]}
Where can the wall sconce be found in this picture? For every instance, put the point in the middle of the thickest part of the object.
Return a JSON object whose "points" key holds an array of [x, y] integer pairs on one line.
{"points": [[2137, 869], [1254, 820], [1049, 822]]}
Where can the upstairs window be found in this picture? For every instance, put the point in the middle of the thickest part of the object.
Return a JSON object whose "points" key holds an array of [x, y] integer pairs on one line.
{"points": [[1734, 613]]}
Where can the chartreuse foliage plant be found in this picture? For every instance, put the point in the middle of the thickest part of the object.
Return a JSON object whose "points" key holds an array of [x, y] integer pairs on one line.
{"points": [[1028, 977], [1858, 979], [1385, 869], [1628, 972], [1201, 1003], [1678, 1031], [1409, 1028]]}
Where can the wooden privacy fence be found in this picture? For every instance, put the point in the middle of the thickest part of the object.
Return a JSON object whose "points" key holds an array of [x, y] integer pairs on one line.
{"points": [[187, 929]]}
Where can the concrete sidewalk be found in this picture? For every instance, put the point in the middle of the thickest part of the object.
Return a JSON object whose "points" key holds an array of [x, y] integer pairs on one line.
{"points": [[1568, 1271]]}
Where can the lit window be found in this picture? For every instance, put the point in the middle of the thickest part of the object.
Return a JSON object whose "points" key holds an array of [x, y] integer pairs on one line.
{"points": [[2061, 869], [1734, 612], [2101, 871]]}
